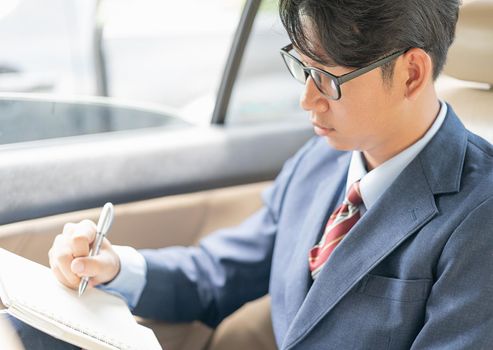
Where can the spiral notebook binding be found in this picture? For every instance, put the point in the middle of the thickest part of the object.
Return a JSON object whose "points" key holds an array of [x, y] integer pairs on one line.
{"points": [[77, 327]]}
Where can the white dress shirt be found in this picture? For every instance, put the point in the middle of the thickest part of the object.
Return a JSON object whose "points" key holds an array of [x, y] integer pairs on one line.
{"points": [[131, 280], [374, 183]]}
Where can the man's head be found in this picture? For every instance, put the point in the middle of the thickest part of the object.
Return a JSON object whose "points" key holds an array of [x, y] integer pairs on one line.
{"points": [[354, 33], [388, 108]]}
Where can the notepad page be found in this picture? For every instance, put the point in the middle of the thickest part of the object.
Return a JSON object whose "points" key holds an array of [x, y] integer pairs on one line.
{"points": [[105, 317], [60, 331], [141, 335]]}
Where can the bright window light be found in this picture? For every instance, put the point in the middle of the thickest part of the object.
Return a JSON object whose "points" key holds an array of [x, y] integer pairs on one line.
{"points": [[7, 6]]}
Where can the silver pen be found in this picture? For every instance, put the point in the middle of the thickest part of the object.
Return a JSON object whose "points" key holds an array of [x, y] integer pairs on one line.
{"points": [[104, 224]]}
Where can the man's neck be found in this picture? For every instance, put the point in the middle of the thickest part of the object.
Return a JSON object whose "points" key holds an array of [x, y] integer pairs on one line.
{"points": [[419, 119]]}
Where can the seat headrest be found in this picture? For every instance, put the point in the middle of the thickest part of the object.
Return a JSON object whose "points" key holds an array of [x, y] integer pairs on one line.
{"points": [[471, 55]]}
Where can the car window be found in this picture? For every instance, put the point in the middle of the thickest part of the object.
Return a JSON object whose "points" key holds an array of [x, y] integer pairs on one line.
{"points": [[265, 92], [158, 56], [24, 119], [165, 51], [42, 46]]}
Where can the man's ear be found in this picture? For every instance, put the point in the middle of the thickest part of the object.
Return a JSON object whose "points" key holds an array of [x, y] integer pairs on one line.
{"points": [[417, 69]]}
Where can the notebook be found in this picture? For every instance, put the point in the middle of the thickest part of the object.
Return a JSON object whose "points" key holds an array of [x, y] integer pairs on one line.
{"points": [[96, 320]]}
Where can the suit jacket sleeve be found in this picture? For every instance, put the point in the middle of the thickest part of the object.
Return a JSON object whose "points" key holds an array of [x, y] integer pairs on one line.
{"points": [[459, 311], [226, 270]]}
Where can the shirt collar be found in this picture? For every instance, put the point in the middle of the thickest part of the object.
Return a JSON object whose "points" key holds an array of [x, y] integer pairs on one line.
{"points": [[374, 183]]}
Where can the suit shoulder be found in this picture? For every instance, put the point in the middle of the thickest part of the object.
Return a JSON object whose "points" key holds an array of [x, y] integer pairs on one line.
{"points": [[480, 144], [479, 160], [477, 173]]}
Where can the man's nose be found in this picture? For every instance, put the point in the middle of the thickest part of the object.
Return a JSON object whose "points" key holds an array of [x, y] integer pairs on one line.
{"points": [[312, 99]]}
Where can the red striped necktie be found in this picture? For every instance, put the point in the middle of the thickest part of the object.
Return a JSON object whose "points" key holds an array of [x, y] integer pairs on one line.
{"points": [[339, 224]]}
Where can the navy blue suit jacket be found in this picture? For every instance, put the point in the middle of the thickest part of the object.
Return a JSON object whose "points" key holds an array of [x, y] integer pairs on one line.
{"points": [[415, 272]]}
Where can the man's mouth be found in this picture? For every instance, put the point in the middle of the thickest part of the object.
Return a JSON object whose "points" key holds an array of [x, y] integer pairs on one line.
{"points": [[322, 130]]}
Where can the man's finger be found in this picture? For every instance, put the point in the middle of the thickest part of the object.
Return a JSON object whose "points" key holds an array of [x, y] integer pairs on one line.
{"points": [[90, 266], [59, 276], [82, 237], [63, 261], [100, 268], [69, 228], [67, 278]]}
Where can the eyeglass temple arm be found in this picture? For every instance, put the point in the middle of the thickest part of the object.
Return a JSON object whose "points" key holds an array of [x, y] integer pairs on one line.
{"points": [[351, 75], [287, 48]]}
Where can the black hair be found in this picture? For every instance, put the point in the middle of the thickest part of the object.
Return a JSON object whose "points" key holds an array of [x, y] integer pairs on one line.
{"points": [[354, 33]]}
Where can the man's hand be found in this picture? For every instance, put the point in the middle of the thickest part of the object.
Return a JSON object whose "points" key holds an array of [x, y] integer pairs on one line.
{"points": [[69, 258]]}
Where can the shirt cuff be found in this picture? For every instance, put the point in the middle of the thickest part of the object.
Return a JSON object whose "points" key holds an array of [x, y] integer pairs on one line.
{"points": [[131, 280]]}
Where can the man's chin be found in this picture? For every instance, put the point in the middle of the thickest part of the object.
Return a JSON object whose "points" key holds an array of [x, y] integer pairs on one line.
{"points": [[337, 144]]}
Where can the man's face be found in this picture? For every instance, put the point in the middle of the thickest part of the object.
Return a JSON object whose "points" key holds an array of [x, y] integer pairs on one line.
{"points": [[366, 116]]}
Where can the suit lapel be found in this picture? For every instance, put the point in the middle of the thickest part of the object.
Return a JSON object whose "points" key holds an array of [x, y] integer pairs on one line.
{"points": [[328, 193], [401, 211]]}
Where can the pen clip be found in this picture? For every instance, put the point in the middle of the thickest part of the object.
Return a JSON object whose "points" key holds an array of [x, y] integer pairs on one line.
{"points": [[105, 219]]}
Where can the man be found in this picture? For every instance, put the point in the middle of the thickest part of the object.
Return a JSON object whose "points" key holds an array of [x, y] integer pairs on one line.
{"points": [[405, 262]]}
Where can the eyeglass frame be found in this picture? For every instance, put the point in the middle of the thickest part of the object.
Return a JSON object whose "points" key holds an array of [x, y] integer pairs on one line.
{"points": [[338, 80]]}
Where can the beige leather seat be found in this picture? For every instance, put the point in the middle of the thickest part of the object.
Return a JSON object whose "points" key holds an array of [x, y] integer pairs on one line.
{"points": [[468, 77]]}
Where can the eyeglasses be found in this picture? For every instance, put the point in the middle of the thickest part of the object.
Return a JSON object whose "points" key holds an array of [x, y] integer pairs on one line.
{"points": [[328, 84]]}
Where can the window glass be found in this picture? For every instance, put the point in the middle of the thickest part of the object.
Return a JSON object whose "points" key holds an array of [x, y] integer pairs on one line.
{"points": [[167, 51], [44, 46], [265, 92], [31, 119], [157, 54]]}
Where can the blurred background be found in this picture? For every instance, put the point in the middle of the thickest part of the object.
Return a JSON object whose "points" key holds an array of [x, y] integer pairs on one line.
{"points": [[152, 52]]}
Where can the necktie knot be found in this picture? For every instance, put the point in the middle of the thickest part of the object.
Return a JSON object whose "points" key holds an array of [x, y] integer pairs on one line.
{"points": [[354, 194]]}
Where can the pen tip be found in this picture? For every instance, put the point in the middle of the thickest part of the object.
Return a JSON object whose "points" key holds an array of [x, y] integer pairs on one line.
{"points": [[82, 288]]}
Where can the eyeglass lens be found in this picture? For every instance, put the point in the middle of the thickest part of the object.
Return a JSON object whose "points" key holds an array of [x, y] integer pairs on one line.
{"points": [[296, 69], [323, 82]]}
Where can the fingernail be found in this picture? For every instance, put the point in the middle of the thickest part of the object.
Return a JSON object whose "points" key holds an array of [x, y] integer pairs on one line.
{"points": [[78, 267]]}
